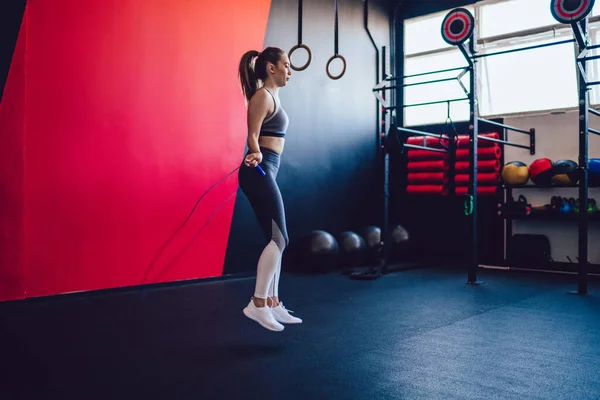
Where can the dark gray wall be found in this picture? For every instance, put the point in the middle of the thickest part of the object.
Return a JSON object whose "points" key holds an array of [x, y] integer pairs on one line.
{"points": [[11, 16], [329, 176]]}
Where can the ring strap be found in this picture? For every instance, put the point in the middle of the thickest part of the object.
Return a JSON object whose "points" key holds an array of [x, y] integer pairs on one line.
{"points": [[299, 22], [335, 29]]}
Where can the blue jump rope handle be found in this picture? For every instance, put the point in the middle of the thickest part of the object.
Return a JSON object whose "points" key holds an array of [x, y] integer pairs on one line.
{"points": [[260, 170]]}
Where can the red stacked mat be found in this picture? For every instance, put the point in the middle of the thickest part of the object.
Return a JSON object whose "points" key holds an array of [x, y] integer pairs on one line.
{"points": [[428, 171], [488, 166]]}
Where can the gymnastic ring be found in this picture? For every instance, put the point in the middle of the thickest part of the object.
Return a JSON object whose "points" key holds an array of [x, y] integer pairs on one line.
{"points": [[329, 63], [296, 47]]}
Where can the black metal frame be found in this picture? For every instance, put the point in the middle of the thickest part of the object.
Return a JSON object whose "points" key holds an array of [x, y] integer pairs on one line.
{"points": [[471, 201], [379, 92], [536, 46], [381, 123], [471, 56], [386, 235], [581, 38], [580, 30]]}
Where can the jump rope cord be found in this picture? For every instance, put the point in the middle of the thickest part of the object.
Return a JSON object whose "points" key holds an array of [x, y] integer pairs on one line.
{"points": [[165, 269], [162, 248]]}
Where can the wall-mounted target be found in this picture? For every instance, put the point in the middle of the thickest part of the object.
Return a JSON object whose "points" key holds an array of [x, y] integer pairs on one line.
{"points": [[570, 11], [457, 27]]}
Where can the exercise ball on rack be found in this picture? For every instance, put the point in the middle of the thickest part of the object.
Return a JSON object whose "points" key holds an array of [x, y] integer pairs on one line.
{"points": [[540, 171], [515, 173], [564, 172]]}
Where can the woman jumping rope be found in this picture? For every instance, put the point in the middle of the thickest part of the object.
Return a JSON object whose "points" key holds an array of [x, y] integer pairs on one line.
{"points": [[261, 76]]}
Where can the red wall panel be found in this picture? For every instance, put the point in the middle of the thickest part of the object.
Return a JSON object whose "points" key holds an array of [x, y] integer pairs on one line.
{"points": [[132, 111], [12, 118]]}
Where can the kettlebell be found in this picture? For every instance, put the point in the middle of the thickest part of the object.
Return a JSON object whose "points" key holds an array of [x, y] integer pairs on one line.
{"points": [[592, 207], [567, 206]]}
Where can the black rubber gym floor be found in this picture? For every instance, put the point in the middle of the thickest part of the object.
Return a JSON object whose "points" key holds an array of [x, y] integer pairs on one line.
{"points": [[419, 334]]}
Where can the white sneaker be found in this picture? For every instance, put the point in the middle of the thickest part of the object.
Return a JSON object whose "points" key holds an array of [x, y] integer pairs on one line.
{"points": [[282, 315], [263, 316]]}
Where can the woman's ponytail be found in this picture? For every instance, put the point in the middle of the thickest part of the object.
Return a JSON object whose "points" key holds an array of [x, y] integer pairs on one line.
{"points": [[252, 71], [248, 78]]}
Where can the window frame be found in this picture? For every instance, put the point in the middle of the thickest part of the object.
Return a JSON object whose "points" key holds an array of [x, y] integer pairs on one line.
{"points": [[593, 69]]}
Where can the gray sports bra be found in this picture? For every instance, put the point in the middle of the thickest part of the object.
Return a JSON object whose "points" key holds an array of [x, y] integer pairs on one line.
{"points": [[275, 124]]}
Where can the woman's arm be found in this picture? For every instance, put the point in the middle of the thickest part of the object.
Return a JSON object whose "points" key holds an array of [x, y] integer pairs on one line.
{"points": [[258, 109]]}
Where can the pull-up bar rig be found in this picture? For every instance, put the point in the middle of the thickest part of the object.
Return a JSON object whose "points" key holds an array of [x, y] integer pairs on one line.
{"points": [[457, 29], [577, 15]]}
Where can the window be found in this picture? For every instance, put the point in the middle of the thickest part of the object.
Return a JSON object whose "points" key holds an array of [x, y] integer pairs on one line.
{"points": [[593, 67], [424, 34], [532, 80], [433, 92], [514, 16], [540, 79]]}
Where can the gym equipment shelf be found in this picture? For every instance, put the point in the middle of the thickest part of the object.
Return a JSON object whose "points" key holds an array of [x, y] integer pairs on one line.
{"points": [[576, 218], [578, 19]]}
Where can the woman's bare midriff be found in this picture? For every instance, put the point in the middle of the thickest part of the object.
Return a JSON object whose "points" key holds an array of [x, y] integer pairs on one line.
{"points": [[272, 143]]}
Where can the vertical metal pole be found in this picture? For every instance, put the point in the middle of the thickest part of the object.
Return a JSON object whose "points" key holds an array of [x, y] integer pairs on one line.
{"points": [[452, 162], [508, 226], [381, 128], [385, 235], [473, 142], [583, 167], [502, 198]]}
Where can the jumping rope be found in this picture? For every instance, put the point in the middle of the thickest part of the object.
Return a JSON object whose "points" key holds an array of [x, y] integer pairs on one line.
{"points": [[162, 248], [176, 258]]}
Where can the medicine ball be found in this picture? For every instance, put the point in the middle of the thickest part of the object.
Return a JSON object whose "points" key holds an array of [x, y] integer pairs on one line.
{"points": [[322, 242], [353, 252], [515, 173], [372, 236], [540, 171], [594, 171], [321, 253], [351, 242], [399, 234], [564, 172]]}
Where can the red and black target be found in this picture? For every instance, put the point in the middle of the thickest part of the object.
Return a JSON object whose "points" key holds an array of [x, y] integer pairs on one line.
{"points": [[457, 27], [570, 11]]}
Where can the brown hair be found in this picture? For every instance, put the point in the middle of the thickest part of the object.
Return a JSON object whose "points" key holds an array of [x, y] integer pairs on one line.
{"points": [[249, 76]]}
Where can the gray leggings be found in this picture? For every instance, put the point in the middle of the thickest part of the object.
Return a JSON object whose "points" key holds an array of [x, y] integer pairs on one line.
{"points": [[265, 198]]}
